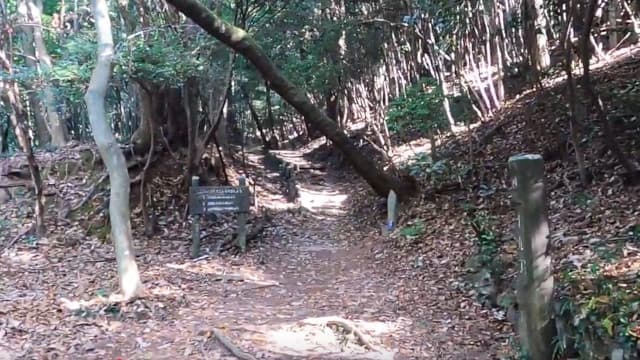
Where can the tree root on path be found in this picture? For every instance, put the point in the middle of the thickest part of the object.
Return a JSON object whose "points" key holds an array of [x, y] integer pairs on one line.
{"points": [[351, 328], [228, 344]]}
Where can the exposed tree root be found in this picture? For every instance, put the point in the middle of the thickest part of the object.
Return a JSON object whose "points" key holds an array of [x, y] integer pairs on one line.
{"points": [[228, 344], [350, 327]]}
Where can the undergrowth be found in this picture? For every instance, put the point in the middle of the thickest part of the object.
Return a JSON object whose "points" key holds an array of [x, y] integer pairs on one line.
{"points": [[598, 299]]}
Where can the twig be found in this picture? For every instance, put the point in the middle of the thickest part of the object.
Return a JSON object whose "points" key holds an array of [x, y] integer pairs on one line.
{"points": [[353, 329], [231, 347], [106, 259], [260, 286]]}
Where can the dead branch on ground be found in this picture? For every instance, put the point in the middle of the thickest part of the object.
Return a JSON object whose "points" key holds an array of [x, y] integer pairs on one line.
{"points": [[345, 324], [228, 344], [87, 198]]}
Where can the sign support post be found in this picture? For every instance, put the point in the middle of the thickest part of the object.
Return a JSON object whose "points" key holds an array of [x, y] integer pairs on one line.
{"points": [[241, 240], [195, 226]]}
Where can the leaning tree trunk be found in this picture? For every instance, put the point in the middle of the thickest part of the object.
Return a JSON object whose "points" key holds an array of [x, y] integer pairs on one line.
{"points": [[112, 156], [243, 43]]}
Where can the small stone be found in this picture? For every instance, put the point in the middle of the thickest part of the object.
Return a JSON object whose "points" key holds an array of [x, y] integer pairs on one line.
{"points": [[617, 354], [89, 346]]}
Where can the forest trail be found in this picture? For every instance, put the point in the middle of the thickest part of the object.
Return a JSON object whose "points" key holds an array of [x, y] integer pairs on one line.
{"points": [[326, 264], [315, 261]]}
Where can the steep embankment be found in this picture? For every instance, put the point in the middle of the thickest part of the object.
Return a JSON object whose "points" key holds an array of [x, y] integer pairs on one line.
{"points": [[594, 229]]}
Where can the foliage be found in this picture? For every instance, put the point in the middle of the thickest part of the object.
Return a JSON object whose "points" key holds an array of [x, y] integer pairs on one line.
{"points": [[12, 143], [420, 109], [163, 57], [413, 230], [487, 237], [600, 298], [72, 71], [423, 167]]}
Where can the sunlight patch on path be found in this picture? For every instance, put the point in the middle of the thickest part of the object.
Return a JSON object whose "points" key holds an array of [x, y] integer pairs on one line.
{"points": [[321, 200], [312, 338]]}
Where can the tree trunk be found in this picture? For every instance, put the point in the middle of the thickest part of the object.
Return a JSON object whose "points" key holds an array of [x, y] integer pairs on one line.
{"points": [[191, 111], [42, 131], [11, 97], [535, 36], [256, 119], [112, 156], [141, 138], [596, 102], [56, 126], [572, 98], [4, 137], [244, 44], [270, 120], [16, 115]]}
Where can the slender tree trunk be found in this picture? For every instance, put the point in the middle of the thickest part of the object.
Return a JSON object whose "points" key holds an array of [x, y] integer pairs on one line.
{"points": [[613, 22], [190, 105], [572, 99], [56, 125], [112, 156], [216, 102], [270, 120], [244, 44], [17, 115], [4, 136], [535, 36], [596, 101], [42, 132], [256, 119]]}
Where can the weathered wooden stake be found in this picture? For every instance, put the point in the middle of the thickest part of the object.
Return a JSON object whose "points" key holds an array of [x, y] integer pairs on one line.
{"points": [[535, 288], [392, 210], [195, 226], [241, 240]]}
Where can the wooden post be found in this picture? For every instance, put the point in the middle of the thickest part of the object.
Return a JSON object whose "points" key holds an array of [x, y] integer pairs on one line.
{"points": [[241, 240], [195, 226], [392, 210], [535, 288]]}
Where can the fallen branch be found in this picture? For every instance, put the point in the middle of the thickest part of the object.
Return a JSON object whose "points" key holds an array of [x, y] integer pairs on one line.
{"points": [[105, 259], [353, 329], [16, 238], [230, 346], [87, 197], [241, 278], [260, 286]]}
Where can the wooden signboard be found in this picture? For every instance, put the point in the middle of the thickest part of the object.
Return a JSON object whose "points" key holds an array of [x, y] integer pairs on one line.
{"points": [[205, 200]]}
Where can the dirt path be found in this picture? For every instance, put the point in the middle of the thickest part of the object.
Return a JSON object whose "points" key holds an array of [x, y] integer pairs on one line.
{"points": [[315, 263]]}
